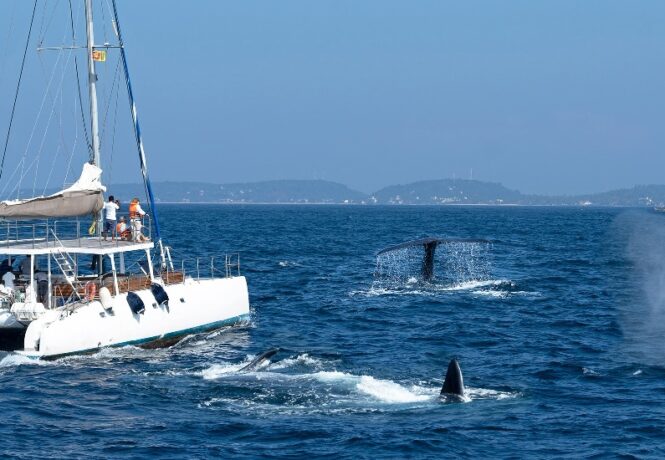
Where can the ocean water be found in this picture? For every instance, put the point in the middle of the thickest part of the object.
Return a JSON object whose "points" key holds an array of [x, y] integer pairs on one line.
{"points": [[558, 325]]}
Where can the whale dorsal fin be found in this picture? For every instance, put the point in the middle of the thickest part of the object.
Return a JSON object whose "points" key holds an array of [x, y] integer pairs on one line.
{"points": [[454, 382]]}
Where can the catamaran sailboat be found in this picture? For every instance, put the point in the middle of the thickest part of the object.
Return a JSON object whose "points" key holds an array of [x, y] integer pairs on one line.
{"points": [[57, 309]]}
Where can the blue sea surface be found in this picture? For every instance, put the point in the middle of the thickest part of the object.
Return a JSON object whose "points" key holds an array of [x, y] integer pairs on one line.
{"points": [[558, 325]]}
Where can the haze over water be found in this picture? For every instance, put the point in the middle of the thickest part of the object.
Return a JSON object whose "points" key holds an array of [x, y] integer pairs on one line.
{"points": [[560, 97]]}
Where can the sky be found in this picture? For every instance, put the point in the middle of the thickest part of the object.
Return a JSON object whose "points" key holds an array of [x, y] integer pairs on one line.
{"points": [[552, 97]]}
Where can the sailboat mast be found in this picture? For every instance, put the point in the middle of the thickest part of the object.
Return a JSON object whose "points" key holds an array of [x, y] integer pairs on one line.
{"points": [[92, 84], [137, 134]]}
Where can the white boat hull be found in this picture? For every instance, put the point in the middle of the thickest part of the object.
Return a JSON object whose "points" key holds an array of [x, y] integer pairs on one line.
{"points": [[9, 321], [194, 306]]}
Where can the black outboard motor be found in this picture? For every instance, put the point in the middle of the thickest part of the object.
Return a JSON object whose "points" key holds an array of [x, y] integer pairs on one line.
{"points": [[159, 294], [135, 303]]}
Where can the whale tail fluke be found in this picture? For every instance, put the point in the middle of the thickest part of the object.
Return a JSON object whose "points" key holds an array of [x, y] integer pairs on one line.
{"points": [[453, 385], [429, 245]]}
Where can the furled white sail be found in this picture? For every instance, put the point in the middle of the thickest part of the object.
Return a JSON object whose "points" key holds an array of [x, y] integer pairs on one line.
{"points": [[82, 198]]}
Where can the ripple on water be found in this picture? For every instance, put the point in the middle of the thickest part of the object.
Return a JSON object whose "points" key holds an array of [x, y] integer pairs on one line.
{"points": [[565, 294]]}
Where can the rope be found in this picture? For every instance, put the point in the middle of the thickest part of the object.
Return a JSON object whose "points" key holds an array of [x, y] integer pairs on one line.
{"points": [[71, 155], [18, 86], [115, 119], [62, 144], [44, 28], [108, 105], [34, 127], [78, 82], [48, 123]]}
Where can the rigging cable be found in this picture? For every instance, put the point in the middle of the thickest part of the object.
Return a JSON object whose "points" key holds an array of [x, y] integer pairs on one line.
{"points": [[114, 90], [34, 128], [137, 130], [48, 123], [78, 83], [8, 39], [18, 86], [108, 105], [71, 155], [61, 144]]}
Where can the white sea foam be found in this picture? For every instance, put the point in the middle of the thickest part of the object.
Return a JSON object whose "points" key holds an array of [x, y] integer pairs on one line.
{"points": [[220, 370], [588, 371], [332, 376], [343, 387], [288, 263], [381, 390], [475, 284], [495, 294], [300, 360], [485, 393], [637, 372], [14, 359], [390, 392], [381, 291], [492, 288], [216, 371]]}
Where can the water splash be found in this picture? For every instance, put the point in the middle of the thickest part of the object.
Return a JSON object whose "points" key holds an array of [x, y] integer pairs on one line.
{"points": [[15, 359], [643, 316], [308, 390], [454, 263]]}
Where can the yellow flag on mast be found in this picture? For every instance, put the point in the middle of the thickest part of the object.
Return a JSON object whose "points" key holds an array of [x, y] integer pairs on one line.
{"points": [[99, 55]]}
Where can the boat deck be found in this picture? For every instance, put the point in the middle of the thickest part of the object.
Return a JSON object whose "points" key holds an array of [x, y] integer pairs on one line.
{"points": [[91, 245], [126, 283]]}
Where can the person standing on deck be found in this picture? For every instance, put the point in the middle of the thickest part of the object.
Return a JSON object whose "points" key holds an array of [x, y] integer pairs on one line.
{"points": [[135, 216], [110, 207], [25, 266]]}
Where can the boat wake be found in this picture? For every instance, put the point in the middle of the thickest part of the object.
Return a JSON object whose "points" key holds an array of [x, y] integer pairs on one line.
{"points": [[14, 359], [303, 384]]}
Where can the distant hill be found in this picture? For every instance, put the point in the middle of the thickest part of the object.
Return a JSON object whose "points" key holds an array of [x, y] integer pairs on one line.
{"points": [[439, 192], [447, 191], [458, 191], [278, 191], [640, 195]]}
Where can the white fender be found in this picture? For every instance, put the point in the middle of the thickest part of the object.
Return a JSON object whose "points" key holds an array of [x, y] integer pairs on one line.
{"points": [[106, 298]]}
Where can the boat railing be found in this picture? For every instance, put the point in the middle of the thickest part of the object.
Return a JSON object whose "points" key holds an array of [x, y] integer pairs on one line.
{"points": [[49, 231], [226, 266]]}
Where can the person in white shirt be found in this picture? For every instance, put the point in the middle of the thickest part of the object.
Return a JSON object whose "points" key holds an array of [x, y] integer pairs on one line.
{"points": [[8, 278], [110, 207]]}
